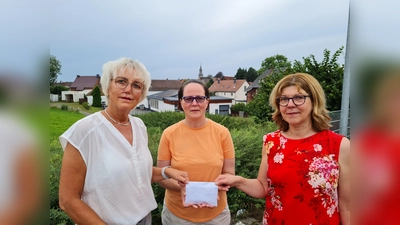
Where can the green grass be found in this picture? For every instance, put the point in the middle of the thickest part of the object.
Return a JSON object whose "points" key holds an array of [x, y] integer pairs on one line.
{"points": [[61, 120], [76, 105]]}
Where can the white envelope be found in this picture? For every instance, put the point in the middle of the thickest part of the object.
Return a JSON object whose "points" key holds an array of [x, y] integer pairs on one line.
{"points": [[201, 193]]}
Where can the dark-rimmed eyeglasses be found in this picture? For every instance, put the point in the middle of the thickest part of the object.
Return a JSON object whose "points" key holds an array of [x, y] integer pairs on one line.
{"points": [[297, 100], [122, 83], [189, 99]]}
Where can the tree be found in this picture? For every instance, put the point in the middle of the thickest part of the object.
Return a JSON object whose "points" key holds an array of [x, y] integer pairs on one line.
{"points": [[219, 75], [259, 106], [241, 74], [329, 73], [55, 69], [251, 74], [57, 89], [96, 97], [277, 62], [209, 83]]}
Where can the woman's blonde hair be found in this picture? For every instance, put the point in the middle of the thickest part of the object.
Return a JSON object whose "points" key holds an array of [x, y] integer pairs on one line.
{"points": [[319, 114], [112, 68]]}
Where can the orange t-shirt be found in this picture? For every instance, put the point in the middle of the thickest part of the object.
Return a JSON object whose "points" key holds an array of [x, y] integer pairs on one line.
{"points": [[200, 152]]}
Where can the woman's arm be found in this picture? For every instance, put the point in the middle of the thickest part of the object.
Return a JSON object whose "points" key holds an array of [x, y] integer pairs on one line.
{"points": [[169, 184], [344, 181], [178, 175], [72, 179], [256, 188], [229, 166]]}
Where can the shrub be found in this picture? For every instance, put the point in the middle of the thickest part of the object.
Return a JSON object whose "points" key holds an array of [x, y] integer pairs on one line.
{"points": [[59, 217], [64, 107], [238, 107], [86, 105], [58, 89], [161, 120], [96, 97]]}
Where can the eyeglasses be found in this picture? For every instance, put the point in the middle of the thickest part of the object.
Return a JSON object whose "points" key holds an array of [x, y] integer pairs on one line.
{"points": [[189, 99], [297, 100], [121, 82]]}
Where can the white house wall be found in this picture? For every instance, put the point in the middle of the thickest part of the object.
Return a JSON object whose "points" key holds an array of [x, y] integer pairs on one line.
{"points": [[53, 98], [145, 102], [163, 107], [76, 95], [240, 95], [90, 99], [215, 106]]}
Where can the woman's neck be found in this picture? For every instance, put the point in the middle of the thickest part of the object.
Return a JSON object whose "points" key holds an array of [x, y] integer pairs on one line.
{"points": [[117, 114], [298, 132], [195, 123]]}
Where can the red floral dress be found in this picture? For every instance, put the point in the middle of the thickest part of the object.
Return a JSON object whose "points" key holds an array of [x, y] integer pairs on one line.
{"points": [[303, 176]]}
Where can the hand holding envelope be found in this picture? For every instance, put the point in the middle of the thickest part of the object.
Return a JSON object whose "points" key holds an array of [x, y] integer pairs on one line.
{"points": [[200, 194]]}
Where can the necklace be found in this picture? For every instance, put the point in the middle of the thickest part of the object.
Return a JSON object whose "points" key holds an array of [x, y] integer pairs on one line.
{"points": [[122, 124]]}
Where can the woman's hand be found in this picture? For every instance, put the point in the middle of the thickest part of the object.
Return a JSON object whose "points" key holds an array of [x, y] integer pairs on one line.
{"points": [[225, 181], [181, 176]]}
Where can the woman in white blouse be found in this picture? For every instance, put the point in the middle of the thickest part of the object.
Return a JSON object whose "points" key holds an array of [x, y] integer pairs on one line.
{"points": [[107, 168]]}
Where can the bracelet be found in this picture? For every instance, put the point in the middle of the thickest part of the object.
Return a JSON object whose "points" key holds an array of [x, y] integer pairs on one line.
{"points": [[163, 172]]}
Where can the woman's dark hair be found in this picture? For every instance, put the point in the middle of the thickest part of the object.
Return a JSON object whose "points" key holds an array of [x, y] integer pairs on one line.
{"points": [[181, 89]]}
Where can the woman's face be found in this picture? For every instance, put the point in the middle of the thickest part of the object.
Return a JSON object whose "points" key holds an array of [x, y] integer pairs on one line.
{"points": [[296, 115], [194, 109], [125, 98]]}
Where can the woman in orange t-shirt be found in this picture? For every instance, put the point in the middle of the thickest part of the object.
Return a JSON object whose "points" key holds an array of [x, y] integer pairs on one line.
{"points": [[201, 147]]}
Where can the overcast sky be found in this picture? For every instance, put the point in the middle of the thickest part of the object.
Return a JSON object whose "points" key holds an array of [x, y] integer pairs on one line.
{"points": [[173, 38]]}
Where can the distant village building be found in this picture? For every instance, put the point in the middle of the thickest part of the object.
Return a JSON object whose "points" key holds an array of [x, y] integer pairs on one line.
{"points": [[202, 77], [230, 88], [158, 86], [81, 86]]}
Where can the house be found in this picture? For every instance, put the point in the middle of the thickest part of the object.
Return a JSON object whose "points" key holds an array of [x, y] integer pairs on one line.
{"points": [[252, 90], [168, 101], [80, 87], [158, 86], [230, 88]]}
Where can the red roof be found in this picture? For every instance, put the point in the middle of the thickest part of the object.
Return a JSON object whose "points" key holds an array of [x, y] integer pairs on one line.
{"points": [[226, 85], [163, 85], [85, 82]]}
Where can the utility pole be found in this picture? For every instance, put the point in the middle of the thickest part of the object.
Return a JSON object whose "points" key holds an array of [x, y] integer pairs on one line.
{"points": [[344, 111]]}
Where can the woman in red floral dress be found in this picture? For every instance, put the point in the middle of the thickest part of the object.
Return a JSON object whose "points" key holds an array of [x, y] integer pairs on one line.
{"points": [[305, 168]]}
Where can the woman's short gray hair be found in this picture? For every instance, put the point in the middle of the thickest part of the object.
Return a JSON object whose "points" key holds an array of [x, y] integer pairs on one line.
{"points": [[112, 68]]}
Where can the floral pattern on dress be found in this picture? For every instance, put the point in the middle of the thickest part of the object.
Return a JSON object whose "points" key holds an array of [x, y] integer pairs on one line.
{"points": [[323, 177], [317, 147], [303, 176], [268, 145], [278, 158]]}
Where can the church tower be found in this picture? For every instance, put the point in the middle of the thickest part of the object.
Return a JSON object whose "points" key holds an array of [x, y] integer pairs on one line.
{"points": [[200, 72]]}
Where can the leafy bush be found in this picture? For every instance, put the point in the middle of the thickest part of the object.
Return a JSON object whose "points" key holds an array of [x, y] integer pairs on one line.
{"points": [[58, 89], [96, 97], [161, 120], [86, 105], [59, 217], [64, 107], [238, 107]]}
